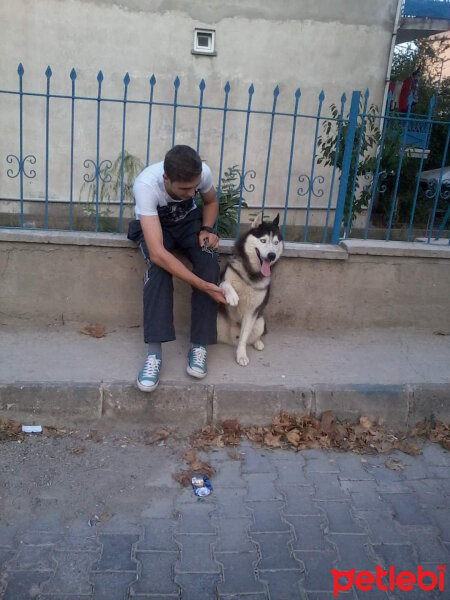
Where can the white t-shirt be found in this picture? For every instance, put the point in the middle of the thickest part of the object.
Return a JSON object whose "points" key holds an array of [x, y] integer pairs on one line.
{"points": [[149, 191]]}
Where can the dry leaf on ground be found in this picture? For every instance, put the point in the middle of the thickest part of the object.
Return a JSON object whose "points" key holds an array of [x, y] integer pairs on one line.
{"points": [[94, 436], [409, 448], [394, 464], [231, 426], [366, 422], [182, 477], [327, 421], [95, 331], [272, 441], [293, 437], [365, 437], [50, 431], [156, 436], [435, 431], [196, 466], [10, 431], [189, 456]]}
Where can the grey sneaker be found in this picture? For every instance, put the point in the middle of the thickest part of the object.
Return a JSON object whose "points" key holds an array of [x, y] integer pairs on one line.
{"points": [[148, 377], [197, 361]]}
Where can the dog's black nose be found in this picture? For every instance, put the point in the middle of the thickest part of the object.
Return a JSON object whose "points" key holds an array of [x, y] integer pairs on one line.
{"points": [[271, 256]]}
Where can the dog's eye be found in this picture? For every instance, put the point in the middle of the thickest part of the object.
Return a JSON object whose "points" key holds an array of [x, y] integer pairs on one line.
{"points": [[263, 240], [276, 242]]}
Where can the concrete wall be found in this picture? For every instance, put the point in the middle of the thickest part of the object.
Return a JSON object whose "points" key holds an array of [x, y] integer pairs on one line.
{"points": [[334, 45], [55, 277]]}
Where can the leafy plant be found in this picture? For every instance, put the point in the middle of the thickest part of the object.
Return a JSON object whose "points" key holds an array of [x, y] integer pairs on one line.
{"points": [[109, 181], [368, 135], [230, 189], [332, 145], [427, 57]]}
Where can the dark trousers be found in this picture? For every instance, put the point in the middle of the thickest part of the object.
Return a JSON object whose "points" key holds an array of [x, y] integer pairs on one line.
{"points": [[158, 284]]}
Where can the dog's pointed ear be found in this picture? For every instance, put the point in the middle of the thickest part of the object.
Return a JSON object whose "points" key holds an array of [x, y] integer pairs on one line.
{"points": [[257, 221], [276, 221]]}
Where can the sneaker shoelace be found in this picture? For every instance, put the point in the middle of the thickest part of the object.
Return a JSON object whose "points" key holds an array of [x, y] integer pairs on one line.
{"points": [[151, 367], [199, 355]]}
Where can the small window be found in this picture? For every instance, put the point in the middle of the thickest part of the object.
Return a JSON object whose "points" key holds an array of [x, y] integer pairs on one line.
{"points": [[204, 42]]}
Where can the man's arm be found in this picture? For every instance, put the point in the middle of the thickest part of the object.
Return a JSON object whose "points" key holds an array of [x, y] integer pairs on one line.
{"points": [[153, 236], [210, 212]]}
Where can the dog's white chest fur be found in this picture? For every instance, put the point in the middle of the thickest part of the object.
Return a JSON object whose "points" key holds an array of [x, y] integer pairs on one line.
{"points": [[250, 297]]}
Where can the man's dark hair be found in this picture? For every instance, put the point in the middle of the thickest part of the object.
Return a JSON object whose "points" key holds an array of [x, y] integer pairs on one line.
{"points": [[182, 163]]}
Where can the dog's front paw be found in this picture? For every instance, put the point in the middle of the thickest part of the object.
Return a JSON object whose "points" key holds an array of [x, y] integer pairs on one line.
{"points": [[242, 358], [230, 294], [231, 297], [258, 345]]}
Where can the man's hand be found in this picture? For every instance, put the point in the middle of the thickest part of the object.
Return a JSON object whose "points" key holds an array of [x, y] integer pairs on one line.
{"points": [[212, 239], [215, 292]]}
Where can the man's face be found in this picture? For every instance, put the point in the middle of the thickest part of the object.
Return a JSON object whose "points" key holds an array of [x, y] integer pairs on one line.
{"points": [[181, 190]]}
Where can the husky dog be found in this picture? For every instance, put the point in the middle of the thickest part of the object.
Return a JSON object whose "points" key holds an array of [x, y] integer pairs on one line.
{"points": [[246, 285]]}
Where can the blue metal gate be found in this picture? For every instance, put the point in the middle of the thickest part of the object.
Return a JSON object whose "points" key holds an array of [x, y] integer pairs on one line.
{"points": [[322, 195]]}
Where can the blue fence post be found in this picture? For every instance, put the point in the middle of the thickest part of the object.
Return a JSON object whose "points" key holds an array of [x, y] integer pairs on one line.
{"points": [[311, 178], [222, 143], [291, 156], [394, 201], [48, 74], [419, 170], [202, 86], [152, 81], [385, 120], [176, 85], [276, 93], [356, 162], [438, 193], [97, 155], [20, 71], [333, 176], [73, 76], [251, 90], [346, 163], [126, 81], [21, 159]]}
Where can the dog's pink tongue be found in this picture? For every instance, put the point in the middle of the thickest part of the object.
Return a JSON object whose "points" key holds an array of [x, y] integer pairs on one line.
{"points": [[265, 268]]}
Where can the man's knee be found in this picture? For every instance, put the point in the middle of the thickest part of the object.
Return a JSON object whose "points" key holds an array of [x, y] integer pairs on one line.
{"points": [[156, 276]]}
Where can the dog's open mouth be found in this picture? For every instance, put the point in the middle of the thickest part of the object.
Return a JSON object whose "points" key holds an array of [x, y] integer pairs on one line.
{"points": [[265, 264]]}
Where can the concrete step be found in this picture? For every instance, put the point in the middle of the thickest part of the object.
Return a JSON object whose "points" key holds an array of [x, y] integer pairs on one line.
{"points": [[58, 376]]}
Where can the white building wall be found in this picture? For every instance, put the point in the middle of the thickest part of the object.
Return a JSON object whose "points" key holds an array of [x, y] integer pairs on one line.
{"points": [[334, 45]]}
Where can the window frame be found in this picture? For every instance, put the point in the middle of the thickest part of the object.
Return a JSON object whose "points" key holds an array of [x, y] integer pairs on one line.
{"points": [[210, 51]]}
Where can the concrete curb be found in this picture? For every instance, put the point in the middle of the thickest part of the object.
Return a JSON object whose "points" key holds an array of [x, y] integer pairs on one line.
{"points": [[429, 400], [58, 403], [253, 405], [175, 405], [388, 403]]}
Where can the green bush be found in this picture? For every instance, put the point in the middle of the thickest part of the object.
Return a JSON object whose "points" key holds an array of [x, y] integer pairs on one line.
{"points": [[110, 184]]}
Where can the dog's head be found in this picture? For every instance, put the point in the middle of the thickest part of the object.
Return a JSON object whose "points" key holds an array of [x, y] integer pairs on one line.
{"points": [[263, 244]]}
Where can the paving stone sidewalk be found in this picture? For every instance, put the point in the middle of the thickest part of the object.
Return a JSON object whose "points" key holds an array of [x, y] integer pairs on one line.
{"points": [[275, 525]]}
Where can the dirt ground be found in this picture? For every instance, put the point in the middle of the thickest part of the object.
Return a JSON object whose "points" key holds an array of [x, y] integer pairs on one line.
{"points": [[72, 477]]}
